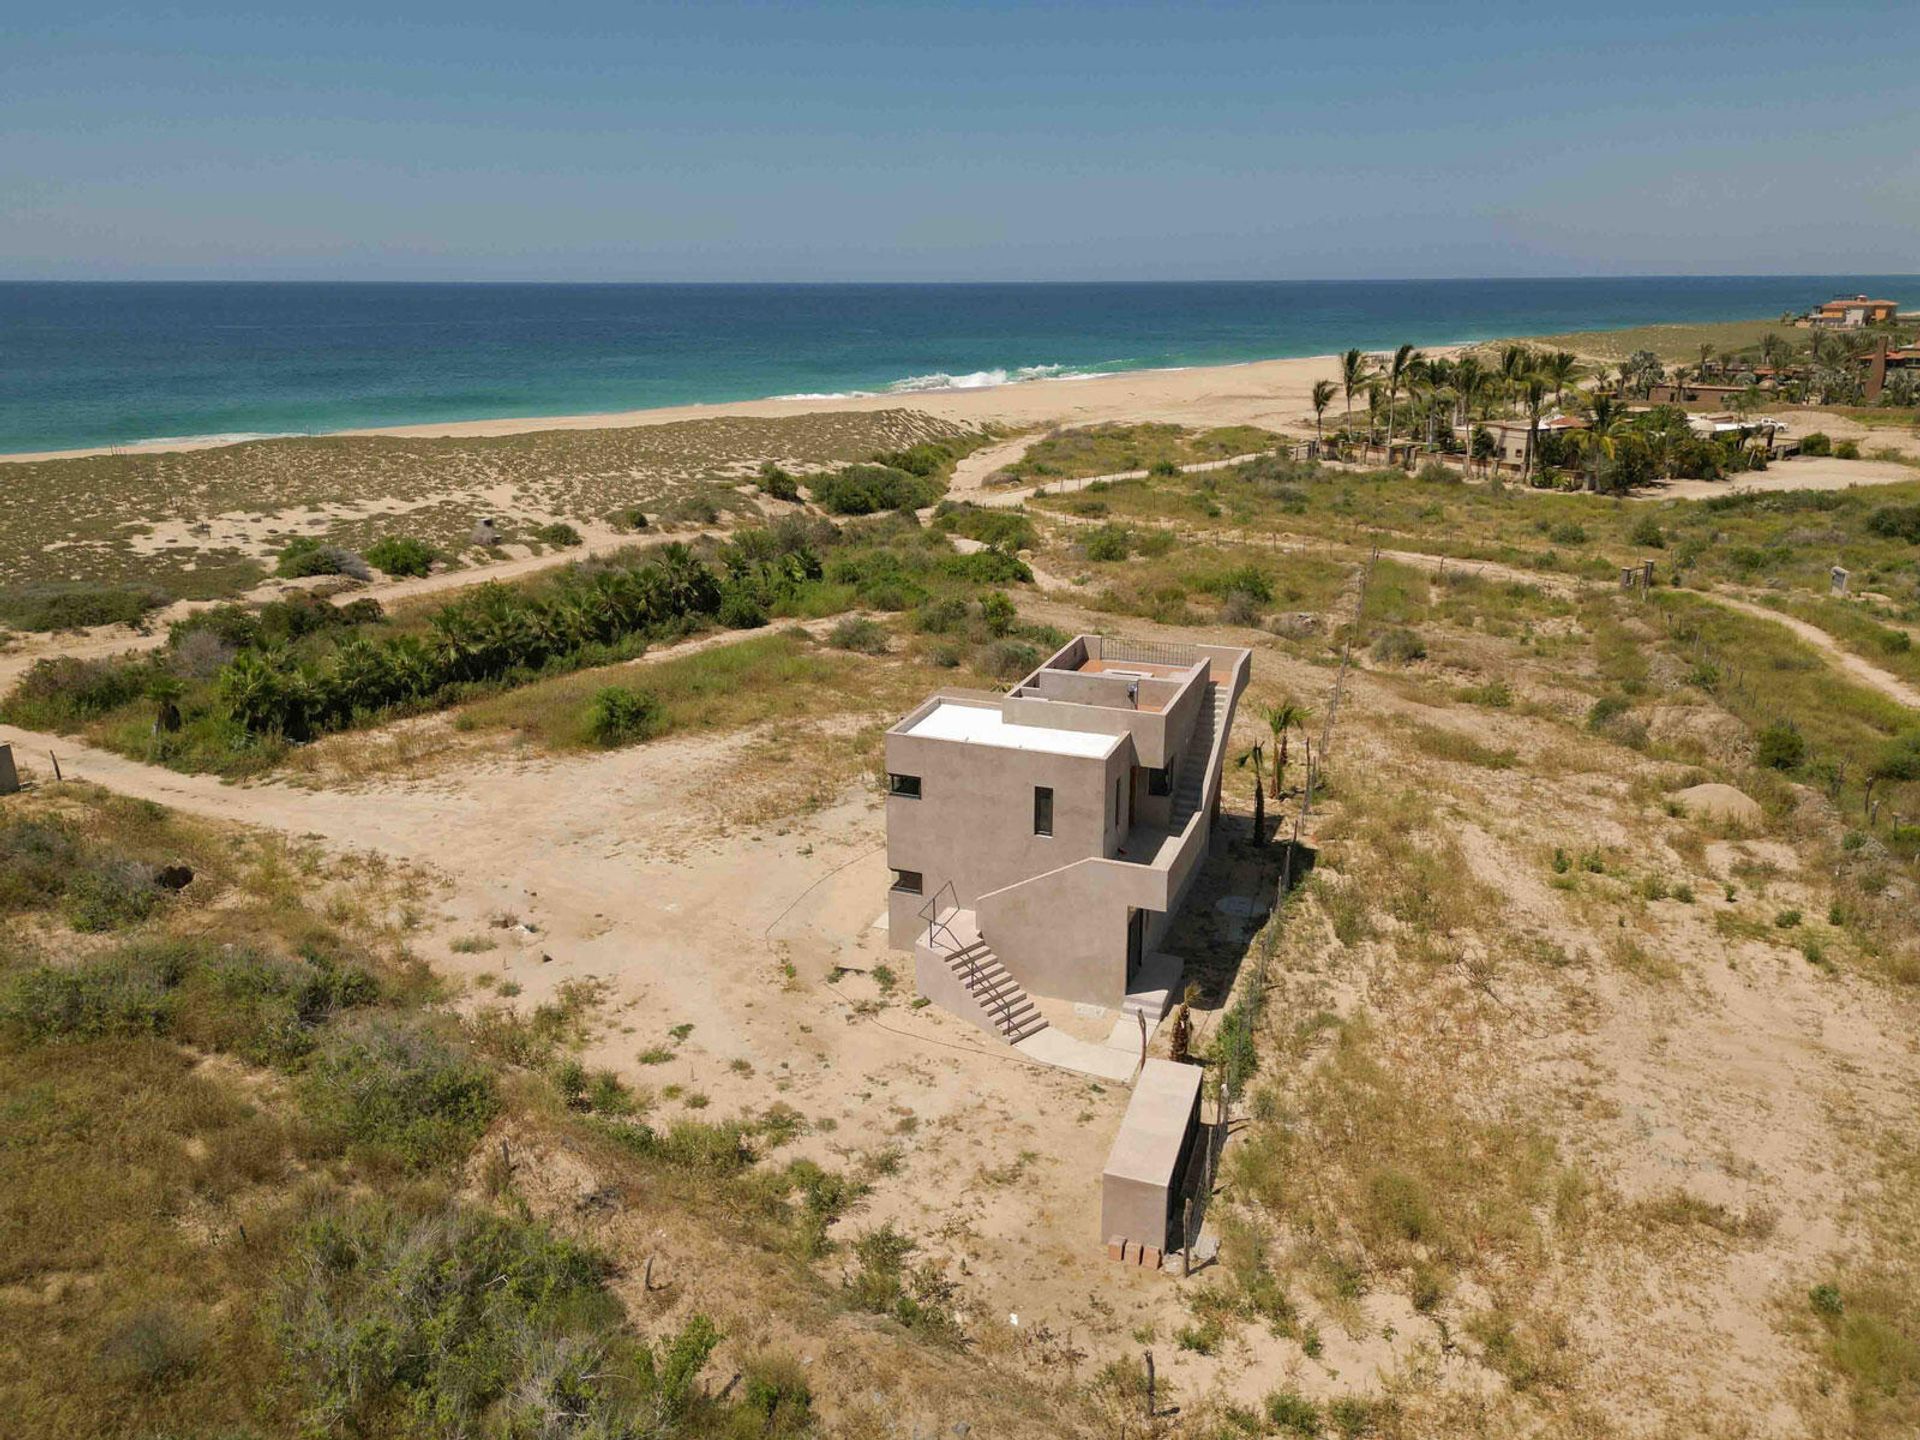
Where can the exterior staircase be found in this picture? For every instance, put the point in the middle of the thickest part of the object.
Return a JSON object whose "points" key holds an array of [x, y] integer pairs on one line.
{"points": [[1192, 784], [975, 981]]}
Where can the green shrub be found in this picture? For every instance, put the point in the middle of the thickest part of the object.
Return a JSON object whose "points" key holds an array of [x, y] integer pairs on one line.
{"points": [[76, 606], [1109, 542], [557, 533], [1568, 533], [997, 612], [1846, 450], [110, 893], [1816, 443], [857, 633], [866, 489], [1398, 647], [1646, 531], [777, 484], [1010, 659], [433, 1320], [129, 992], [402, 556], [305, 556], [1291, 1413], [401, 1093], [1780, 746], [1896, 522], [630, 517], [618, 715], [1607, 709], [918, 1297], [740, 607]]}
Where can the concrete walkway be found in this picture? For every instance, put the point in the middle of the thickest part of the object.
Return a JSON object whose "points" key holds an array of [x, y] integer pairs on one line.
{"points": [[1053, 1046]]}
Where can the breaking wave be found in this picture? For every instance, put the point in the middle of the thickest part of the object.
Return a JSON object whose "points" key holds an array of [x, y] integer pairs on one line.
{"points": [[986, 379]]}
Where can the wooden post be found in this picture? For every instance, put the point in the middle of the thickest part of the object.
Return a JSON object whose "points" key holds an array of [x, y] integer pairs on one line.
{"points": [[1152, 1408], [1186, 1236], [56, 765]]}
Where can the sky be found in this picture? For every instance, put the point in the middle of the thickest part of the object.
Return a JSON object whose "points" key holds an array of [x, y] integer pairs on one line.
{"points": [[990, 141]]}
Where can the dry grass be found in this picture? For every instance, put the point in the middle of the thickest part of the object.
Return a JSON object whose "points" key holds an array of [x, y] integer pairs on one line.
{"points": [[186, 522]]}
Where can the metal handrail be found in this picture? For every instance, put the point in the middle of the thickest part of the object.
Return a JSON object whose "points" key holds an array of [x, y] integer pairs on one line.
{"points": [[930, 912], [999, 1009]]}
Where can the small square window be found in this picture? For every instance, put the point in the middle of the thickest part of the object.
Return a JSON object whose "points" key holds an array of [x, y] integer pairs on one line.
{"points": [[907, 882], [1043, 810], [1158, 782], [907, 786]]}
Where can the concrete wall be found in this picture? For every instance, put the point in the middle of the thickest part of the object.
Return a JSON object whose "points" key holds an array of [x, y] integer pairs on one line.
{"points": [[973, 822], [1064, 934]]}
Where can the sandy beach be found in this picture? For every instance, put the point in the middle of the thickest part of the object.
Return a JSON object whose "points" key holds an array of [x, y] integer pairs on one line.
{"points": [[1273, 393]]}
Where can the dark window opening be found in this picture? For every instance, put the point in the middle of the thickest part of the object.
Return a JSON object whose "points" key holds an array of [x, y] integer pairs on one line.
{"points": [[1159, 782], [1043, 810], [907, 882], [905, 785]]}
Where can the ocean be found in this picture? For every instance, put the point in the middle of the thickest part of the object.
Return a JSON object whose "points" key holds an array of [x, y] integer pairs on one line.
{"points": [[125, 363]]}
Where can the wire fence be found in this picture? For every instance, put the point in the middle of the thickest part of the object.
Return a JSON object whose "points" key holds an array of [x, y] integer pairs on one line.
{"points": [[1234, 1041]]}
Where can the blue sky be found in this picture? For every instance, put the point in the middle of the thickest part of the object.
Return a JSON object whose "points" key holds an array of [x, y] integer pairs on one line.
{"points": [[915, 141]]}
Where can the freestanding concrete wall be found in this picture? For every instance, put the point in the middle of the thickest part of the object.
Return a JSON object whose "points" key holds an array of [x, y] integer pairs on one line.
{"points": [[1140, 1188]]}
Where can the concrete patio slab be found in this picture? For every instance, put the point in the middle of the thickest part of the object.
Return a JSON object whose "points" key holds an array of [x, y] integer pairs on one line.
{"points": [[1057, 1048]]}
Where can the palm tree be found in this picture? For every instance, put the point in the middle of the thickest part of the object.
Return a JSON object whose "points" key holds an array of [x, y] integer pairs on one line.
{"points": [[1396, 377], [1323, 393], [1597, 440], [1770, 350], [1516, 361], [1559, 367], [1282, 720], [1533, 387], [1259, 795], [1353, 374]]}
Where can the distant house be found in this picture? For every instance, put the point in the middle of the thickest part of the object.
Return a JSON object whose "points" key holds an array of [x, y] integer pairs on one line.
{"points": [[1510, 438], [1849, 312], [1692, 392]]}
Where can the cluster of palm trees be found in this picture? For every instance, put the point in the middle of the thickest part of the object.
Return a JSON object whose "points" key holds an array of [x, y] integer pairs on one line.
{"points": [[494, 631], [1445, 395], [1282, 720]]}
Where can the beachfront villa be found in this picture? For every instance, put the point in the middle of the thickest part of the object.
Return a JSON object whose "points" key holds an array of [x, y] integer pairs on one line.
{"points": [[1849, 312], [1042, 840]]}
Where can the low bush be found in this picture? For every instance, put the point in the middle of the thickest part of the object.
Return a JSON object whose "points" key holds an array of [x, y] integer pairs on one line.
{"points": [[402, 556], [1010, 659], [1109, 543], [76, 607], [866, 489], [619, 715], [1780, 746], [1816, 443], [777, 484], [557, 533], [1846, 450], [398, 1093], [305, 556], [857, 633], [630, 517], [1398, 647], [1896, 522]]}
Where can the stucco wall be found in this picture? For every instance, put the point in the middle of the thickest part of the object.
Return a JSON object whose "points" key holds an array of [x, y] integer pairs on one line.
{"points": [[973, 822], [1064, 934]]}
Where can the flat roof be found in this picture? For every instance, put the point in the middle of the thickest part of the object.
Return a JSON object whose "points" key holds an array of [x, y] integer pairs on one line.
{"points": [[1155, 1127], [985, 725]]}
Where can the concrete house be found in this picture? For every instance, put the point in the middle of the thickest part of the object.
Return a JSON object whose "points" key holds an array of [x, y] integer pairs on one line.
{"points": [[1852, 311], [1041, 840]]}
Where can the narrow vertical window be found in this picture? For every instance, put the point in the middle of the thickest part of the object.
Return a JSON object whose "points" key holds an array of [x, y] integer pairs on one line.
{"points": [[1043, 810]]}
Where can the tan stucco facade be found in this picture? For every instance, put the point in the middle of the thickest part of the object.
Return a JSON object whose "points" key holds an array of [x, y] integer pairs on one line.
{"points": [[1127, 740]]}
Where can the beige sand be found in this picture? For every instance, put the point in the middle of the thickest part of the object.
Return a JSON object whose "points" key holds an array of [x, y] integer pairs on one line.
{"points": [[1265, 392], [1719, 802]]}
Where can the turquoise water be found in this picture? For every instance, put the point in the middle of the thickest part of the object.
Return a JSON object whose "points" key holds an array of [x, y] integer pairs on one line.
{"points": [[109, 364]]}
